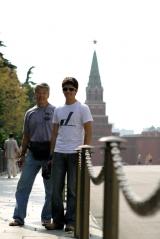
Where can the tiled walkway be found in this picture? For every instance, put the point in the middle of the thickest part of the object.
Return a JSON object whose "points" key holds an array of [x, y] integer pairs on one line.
{"points": [[32, 228]]}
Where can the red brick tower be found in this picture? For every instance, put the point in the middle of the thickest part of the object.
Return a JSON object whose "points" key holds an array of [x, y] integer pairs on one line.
{"points": [[94, 99]]}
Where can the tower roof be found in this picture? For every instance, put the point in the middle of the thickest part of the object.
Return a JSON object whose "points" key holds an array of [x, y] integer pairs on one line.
{"points": [[94, 77]]}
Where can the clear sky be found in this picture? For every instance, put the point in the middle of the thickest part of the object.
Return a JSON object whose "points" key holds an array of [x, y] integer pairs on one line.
{"points": [[56, 36]]}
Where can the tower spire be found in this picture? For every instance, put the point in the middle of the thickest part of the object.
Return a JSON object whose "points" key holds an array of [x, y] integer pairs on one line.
{"points": [[94, 90], [94, 77]]}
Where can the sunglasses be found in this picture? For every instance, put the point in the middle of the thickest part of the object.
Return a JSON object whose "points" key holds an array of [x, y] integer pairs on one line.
{"points": [[68, 88]]}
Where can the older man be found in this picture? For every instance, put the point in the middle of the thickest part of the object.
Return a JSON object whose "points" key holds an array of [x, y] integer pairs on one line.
{"points": [[35, 155]]}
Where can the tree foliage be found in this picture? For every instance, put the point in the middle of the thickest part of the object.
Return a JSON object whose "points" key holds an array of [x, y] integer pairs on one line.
{"points": [[14, 100], [28, 85]]}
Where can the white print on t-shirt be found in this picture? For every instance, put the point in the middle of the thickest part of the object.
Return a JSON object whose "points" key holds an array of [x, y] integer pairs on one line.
{"points": [[66, 121]]}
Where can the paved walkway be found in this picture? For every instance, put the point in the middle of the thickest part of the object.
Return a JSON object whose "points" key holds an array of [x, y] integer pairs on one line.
{"points": [[32, 228], [142, 179]]}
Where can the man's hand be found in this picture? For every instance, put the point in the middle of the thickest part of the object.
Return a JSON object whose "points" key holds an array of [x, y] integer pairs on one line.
{"points": [[49, 162], [20, 161]]}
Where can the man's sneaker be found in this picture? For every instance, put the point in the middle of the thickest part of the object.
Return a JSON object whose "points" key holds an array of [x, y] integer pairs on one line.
{"points": [[16, 223], [45, 222], [69, 228], [54, 226]]}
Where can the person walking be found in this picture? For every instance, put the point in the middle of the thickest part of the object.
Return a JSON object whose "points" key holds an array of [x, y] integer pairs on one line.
{"points": [[72, 127], [11, 151], [139, 159], [35, 155], [148, 159]]}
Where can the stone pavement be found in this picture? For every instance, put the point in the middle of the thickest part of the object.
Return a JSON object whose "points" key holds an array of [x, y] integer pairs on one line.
{"points": [[32, 228], [142, 179]]}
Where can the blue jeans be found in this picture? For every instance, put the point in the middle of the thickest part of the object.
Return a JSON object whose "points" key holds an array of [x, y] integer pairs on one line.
{"points": [[30, 170], [62, 164]]}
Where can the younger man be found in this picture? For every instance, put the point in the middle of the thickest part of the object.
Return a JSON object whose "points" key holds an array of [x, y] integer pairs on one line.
{"points": [[72, 127]]}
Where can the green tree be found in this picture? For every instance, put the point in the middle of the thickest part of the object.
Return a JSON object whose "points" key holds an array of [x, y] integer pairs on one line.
{"points": [[28, 85], [13, 100]]}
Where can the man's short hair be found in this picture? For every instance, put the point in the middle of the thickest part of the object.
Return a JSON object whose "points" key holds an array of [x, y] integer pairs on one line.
{"points": [[70, 81], [42, 85]]}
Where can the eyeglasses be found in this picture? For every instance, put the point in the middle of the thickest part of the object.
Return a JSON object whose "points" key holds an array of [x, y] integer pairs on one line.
{"points": [[68, 88]]}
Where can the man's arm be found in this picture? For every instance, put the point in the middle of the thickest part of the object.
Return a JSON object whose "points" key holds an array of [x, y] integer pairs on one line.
{"points": [[54, 137], [87, 132], [24, 144], [17, 150]]}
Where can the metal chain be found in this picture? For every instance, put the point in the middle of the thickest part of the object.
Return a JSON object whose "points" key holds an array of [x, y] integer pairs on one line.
{"points": [[79, 158], [96, 180], [140, 206], [143, 207]]}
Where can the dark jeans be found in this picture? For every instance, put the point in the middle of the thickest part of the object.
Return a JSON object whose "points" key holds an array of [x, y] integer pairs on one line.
{"points": [[62, 164]]}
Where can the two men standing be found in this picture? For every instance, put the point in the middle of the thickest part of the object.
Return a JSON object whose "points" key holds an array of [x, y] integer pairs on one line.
{"points": [[69, 127]]}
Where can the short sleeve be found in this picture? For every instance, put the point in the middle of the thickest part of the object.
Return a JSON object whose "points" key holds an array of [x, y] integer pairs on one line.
{"points": [[86, 114]]}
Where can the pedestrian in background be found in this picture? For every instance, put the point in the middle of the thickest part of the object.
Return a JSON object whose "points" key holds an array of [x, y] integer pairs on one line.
{"points": [[139, 159], [148, 159], [11, 152], [35, 155], [72, 128]]}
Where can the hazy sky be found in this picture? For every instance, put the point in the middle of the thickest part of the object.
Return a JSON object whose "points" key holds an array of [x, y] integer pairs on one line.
{"points": [[56, 36]]}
